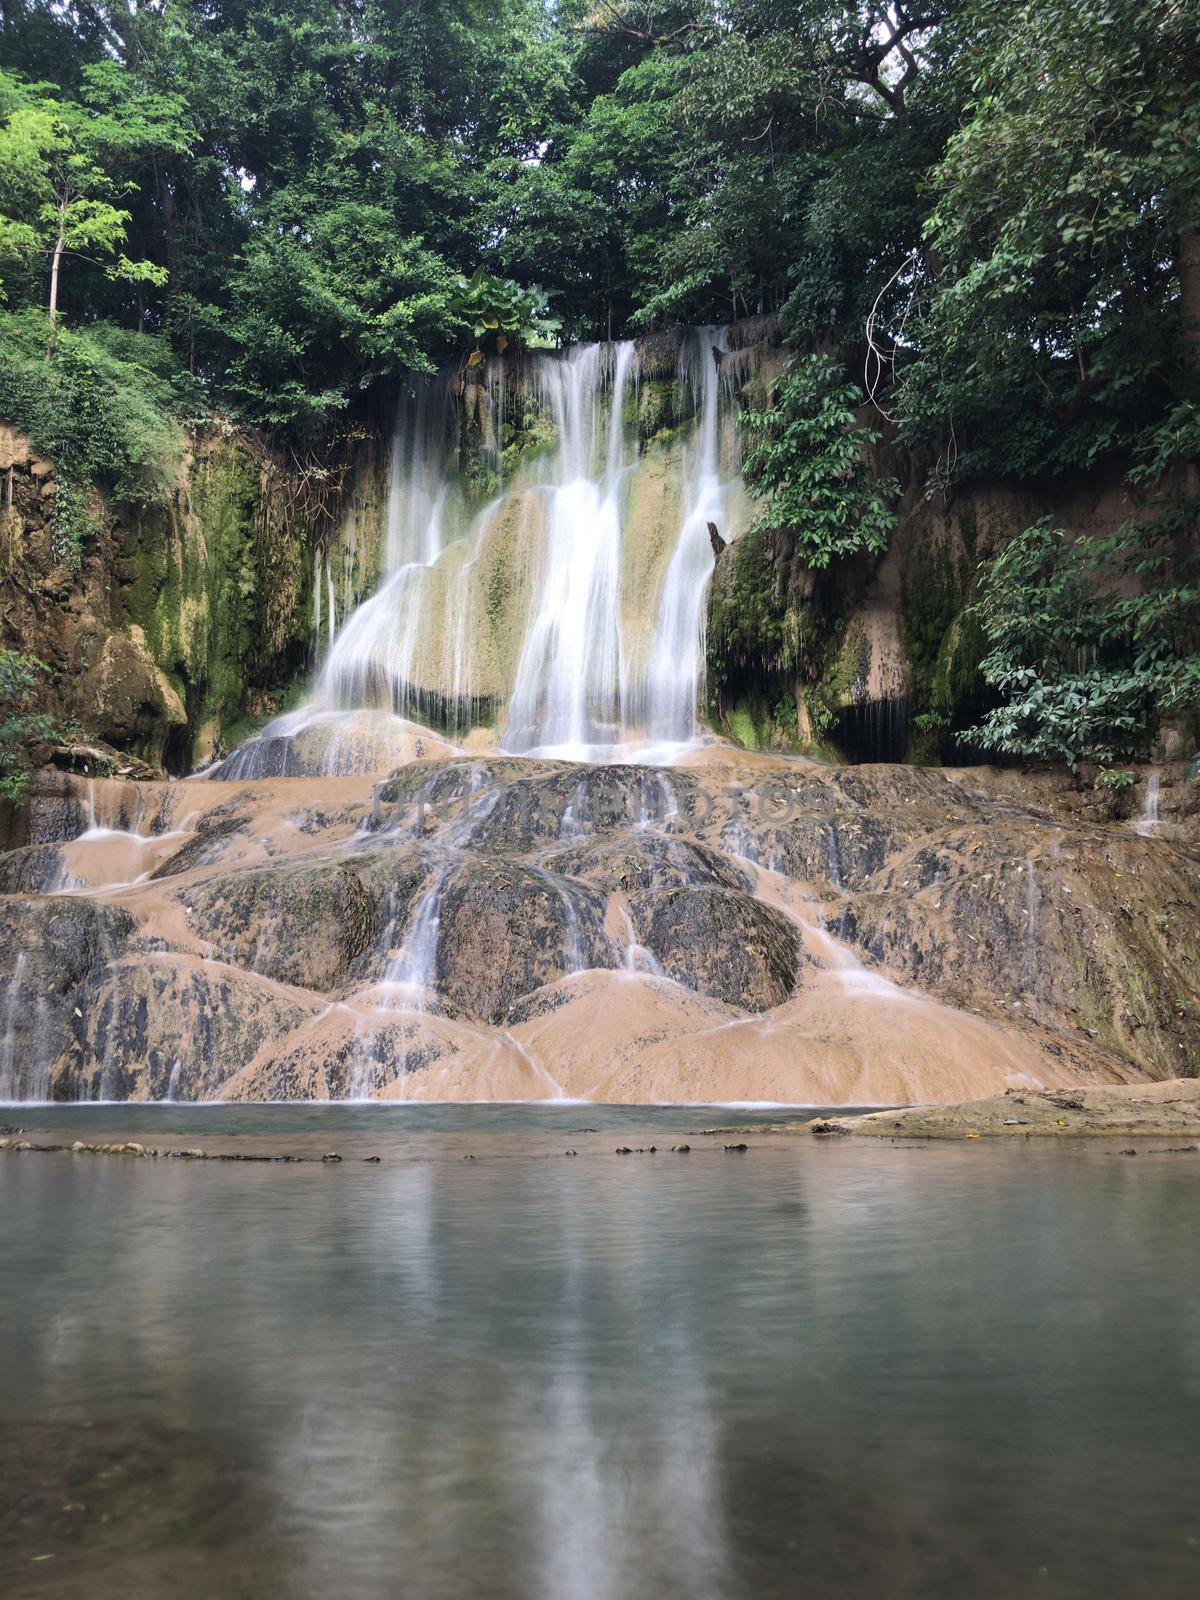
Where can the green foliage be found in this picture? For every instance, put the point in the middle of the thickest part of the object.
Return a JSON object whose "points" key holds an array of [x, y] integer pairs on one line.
{"points": [[805, 458], [297, 208], [107, 408], [1118, 779], [1092, 640], [60, 161], [1051, 331], [498, 308], [21, 730], [321, 306]]}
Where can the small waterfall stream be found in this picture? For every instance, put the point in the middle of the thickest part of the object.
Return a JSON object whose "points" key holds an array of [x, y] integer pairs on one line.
{"points": [[676, 665], [1147, 823]]}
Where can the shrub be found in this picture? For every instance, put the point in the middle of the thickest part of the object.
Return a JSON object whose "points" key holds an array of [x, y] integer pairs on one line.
{"points": [[21, 730], [806, 460]]}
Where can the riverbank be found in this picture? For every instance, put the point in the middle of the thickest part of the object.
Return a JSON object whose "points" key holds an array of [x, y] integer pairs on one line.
{"points": [[1148, 1111]]}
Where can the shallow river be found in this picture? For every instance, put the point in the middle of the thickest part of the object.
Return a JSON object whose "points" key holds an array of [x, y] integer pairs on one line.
{"points": [[841, 1369]]}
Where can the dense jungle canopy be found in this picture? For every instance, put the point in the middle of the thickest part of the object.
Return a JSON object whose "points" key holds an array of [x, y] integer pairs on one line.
{"points": [[285, 195]]}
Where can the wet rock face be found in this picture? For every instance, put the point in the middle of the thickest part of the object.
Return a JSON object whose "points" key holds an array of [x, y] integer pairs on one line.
{"points": [[505, 930], [349, 1065], [155, 1027], [212, 840], [633, 860], [32, 869], [1095, 931], [720, 943], [59, 939], [548, 807], [837, 849], [432, 934], [49, 951], [305, 924]]}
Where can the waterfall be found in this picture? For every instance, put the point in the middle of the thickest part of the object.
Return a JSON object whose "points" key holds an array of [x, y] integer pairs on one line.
{"points": [[568, 692], [370, 662], [10, 1068], [567, 612], [1147, 823], [415, 966], [678, 655]]}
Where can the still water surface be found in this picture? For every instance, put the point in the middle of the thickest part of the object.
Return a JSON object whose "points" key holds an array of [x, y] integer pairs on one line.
{"points": [[843, 1370]]}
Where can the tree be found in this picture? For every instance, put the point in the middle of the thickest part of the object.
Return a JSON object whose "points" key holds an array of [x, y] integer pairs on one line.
{"points": [[1067, 206], [61, 162]]}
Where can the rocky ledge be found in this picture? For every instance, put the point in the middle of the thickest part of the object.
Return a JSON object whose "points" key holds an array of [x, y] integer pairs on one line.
{"points": [[736, 928], [1150, 1111]]}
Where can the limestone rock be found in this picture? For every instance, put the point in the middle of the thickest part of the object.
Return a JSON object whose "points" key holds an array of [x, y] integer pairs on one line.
{"points": [[631, 860], [506, 929], [49, 949], [159, 1026], [306, 923], [120, 693], [720, 943]]}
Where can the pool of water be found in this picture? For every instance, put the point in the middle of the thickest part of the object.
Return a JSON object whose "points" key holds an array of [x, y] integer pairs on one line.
{"points": [[840, 1369]]}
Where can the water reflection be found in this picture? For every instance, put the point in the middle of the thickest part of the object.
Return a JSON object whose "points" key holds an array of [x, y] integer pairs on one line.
{"points": [[803, 1371]]}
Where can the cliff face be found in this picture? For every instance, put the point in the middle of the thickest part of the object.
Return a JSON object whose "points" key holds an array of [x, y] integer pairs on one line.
{"points": [[174, 621], [879, 661]]}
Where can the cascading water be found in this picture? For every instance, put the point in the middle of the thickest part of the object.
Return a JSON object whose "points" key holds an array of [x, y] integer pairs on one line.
{"points": [[570, 679], [1147, 823], [560, 611], [678, 655], [371, 660]]}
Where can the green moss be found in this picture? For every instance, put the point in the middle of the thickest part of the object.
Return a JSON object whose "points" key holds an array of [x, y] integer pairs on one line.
{"points": [[747, 624], [529, 431], [657, 410], [498, 593], [956, 680], [480, 481], [944, 642], [933, 597], [968, 527], [220, 585], [245, 725], [741, 727]]}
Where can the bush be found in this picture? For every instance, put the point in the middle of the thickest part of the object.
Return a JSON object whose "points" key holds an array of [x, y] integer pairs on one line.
{"points": [[107, 409], [21, 730], [805, 458], [1092, 640]]}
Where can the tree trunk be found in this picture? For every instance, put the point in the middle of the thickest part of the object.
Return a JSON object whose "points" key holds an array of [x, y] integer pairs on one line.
{"points": [[59, 245], [1189, 298], [170, 217]]}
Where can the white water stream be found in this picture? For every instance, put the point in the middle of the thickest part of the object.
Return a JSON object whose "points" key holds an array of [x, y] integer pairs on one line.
{"points": [[1147, 823], [572, 684]]}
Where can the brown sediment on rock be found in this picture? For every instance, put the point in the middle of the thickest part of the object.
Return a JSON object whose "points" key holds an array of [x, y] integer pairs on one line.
{"points": [[736, 928], [1148, 1111]]}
